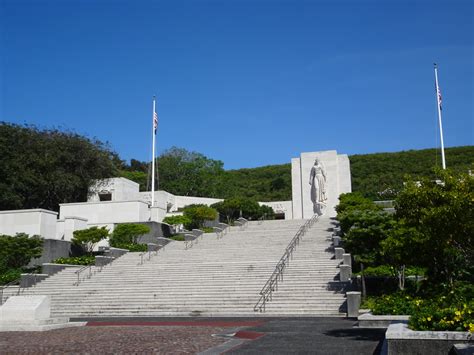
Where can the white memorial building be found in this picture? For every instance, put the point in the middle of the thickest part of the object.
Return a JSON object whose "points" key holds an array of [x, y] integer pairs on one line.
{"points": [[318, 178]]}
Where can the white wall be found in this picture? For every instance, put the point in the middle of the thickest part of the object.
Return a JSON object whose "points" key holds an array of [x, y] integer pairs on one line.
{"points": [[35, 221], [107, 212], [297, 205], [121, 189]]}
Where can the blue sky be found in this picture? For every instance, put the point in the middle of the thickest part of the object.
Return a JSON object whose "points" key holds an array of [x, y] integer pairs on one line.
{"points": [[248, 82]]}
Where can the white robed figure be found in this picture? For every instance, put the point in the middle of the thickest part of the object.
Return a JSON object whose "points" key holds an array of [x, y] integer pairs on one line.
{"points": [[317, 180]]}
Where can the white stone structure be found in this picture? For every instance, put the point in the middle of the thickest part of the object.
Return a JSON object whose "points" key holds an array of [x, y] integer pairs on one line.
{"points": [[118, 200], [338, 181], [31, 313], [33, 222]]}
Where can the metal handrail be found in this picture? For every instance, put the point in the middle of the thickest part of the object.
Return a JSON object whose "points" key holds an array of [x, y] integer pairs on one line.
{"points": [[272, 283], [243, 223], [14, 283], [149, 255], [82, 269]]}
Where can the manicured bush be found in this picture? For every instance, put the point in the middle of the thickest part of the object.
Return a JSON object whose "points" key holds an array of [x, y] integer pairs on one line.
{"points": [[177, 237], [77, 260], [177, 220], [126, 234], [197, 215], [88, 238], [134, 247]]}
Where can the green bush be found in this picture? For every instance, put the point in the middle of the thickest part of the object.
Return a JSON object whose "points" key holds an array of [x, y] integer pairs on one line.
{"points": [[454, 318], [198, 214], [390, 271], [177, 220], [207, 229], [134, 247], [17, 251], [88, 238], [233, 208], [78, 260], [355, 201], [10, 275], [177, 237], [126, 234]]}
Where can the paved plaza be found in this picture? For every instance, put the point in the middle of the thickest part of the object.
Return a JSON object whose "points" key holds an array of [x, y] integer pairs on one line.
{"points": [[199, 335]]}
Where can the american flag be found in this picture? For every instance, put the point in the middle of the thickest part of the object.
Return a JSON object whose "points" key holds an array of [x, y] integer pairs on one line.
{"points": [[439, 98], [155, 121]]}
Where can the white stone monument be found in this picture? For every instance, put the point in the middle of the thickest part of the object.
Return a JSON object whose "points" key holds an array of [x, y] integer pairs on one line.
{"points": [[31, 313], [318, 178]]}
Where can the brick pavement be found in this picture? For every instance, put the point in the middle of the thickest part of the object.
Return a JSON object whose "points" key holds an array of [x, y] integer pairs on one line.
{"points": [[113, 340]]}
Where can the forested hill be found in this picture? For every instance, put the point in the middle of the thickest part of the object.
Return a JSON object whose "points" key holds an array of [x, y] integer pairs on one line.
{"points": [[41, 168], [375, 175]]}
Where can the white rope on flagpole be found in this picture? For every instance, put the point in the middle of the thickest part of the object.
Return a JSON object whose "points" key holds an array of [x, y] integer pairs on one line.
{"points": [[438, 99]]}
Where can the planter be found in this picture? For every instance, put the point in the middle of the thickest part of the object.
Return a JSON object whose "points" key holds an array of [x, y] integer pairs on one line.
{"points": [[401, 340]]}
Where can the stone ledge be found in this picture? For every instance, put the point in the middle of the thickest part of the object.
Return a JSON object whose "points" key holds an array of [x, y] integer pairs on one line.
{"points": [[369, 320], [401, 331], [401, 340]]}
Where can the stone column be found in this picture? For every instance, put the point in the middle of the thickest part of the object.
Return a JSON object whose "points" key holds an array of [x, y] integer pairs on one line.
{"points": [[353, 304]]}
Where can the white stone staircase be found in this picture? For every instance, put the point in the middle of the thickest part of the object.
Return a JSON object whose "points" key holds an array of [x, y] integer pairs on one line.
{"points": [[216, 277]]}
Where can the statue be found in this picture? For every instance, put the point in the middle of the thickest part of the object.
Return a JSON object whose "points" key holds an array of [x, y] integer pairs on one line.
{"points": [[317, 180]]}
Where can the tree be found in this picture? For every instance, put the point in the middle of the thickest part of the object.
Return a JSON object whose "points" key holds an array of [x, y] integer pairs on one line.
{"points": [[43, 168], [177, 220], [233, 208], [198, 214], [441, 214], [88, 238], [188, 173], [127, 233], [17, 251]]}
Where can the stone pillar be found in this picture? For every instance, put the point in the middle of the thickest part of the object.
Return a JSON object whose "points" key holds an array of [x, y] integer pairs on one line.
{"points": [[336, 240], [353, 304], [347, 260], [338, 253], [345, 273]]}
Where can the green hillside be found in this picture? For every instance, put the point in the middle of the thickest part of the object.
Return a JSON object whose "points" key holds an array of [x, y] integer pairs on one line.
{"points": [[376, 176]]}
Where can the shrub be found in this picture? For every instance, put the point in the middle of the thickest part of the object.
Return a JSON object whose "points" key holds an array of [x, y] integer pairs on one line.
{"points": [[177, 220], [78, 260], [355, 201], [88, 238], [126, 234], [17, 251], [10, 275], [198, 214], [134, 247], [233, 208], [177, 237]]}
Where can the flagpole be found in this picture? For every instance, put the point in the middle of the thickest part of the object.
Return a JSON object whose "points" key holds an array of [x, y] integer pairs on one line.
{"points": [[153, 130], [438, 98]]}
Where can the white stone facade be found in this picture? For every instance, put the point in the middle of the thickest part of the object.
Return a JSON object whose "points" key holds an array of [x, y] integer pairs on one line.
{"points": [[33, 222], [338, 181]]}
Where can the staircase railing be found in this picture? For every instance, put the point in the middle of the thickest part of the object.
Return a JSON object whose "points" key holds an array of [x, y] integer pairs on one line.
{"points": [[15, 283], [242, 223], [277, 276]]}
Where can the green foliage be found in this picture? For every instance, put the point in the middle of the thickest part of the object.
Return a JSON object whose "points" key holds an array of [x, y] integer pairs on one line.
{"points": [[390, 271], [177, 220], [437, 309], [437, 230], [139, 177], [188, 173], [134, 247], [177, 237], [380, 176], [43, 168], [355, 201], [88, 238], [126, 234], [363, 239], [17, 251], [9, 275], [198, 214], [231, 209], [207, 229], [77, 260]]}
